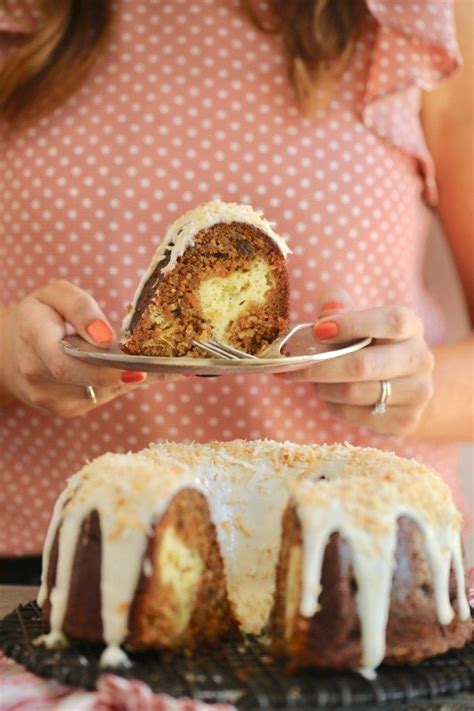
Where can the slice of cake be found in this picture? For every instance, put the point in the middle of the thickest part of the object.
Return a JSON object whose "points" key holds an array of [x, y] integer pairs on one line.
{"points": [[220, 272]]}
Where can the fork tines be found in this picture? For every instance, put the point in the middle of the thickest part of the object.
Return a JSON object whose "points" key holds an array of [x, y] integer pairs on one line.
{"points": [[222, 350]]}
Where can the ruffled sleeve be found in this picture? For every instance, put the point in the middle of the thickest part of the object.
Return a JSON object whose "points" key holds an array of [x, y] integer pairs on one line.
{"points": [[415, 49]]}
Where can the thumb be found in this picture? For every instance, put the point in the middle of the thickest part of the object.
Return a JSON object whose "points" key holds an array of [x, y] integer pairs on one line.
{"points": [[333, 298], [79, 309]]}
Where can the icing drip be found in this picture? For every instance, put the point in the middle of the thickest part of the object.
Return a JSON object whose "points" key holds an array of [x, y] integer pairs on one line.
{"points": [[369, 523], [248, 485], [443, 548], [114, 656], [372, 569], [128, 496], [182, 233], [51, 534], [119, 581], [70, 529], [463, 603]]}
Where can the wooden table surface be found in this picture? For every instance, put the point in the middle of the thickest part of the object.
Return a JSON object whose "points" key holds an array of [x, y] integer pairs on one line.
{"points": [[13, 595]]}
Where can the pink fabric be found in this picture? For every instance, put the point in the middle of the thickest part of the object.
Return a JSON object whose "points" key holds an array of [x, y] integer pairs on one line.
{"points": [[20, 17], [23, 691], [190, 102]]}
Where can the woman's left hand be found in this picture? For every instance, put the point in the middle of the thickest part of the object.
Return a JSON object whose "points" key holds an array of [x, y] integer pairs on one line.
{"points": [[351, 384]]}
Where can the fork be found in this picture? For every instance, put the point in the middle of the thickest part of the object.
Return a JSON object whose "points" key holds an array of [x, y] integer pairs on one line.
{"points": [[223, 350]]}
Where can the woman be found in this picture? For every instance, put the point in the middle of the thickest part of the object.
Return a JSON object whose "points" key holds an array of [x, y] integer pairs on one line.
{"points": [[120, 116]]}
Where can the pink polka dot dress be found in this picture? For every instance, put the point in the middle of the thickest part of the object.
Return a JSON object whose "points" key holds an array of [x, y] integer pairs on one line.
{"points": [[190, 102]]}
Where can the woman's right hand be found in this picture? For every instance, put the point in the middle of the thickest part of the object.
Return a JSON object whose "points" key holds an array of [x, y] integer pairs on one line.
{"points": [[33, 367]]}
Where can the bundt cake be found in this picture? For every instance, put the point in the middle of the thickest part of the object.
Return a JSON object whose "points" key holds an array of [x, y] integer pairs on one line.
{"points": [[345, 556], [220, 272]]}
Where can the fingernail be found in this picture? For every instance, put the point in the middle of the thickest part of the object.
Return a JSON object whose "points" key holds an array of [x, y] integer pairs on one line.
{"points": [[326, 329], [130, 376], [332, 306], [99, 331]]}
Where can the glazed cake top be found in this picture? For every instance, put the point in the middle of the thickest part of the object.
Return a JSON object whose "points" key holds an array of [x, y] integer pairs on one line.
{"points": [[182, 233], [128, 488], [359, 474], [242, 456]]}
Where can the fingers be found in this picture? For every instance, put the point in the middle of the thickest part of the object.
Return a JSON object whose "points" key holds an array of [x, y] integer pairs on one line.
{"points": [[43, 329], [43, 318], [333, 298], [365, 394], [350, 385], [153, 378], [406, 402], [375, 362], [41, 374], [79, 309], [42, 361], [67, 401], [399, 420], [394, 323]]}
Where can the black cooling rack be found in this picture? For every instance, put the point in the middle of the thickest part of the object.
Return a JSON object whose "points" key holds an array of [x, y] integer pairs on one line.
{"points": [[242, 673]]}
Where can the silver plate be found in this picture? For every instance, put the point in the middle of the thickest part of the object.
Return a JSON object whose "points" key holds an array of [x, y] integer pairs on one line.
{"points": [[302, 350]]}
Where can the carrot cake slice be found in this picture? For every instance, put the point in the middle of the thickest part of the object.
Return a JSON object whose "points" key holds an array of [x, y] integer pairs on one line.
{"points": [[220, 272]]}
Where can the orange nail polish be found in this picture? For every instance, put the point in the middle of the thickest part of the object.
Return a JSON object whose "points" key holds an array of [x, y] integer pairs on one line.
{"points": [[332, 306], [326, 329], [99, 331], [131, 376]]}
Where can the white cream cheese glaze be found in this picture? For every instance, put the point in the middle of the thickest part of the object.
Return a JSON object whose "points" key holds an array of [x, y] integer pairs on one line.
{"points": [[248, 485], [182, 234]]}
